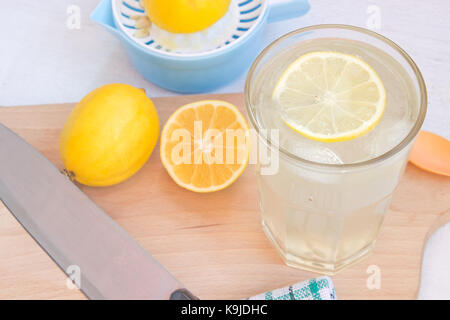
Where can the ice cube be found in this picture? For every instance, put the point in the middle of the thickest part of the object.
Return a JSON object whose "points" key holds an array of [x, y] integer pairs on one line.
{"points": [[313, 151], [388, 135], [319, 154]]}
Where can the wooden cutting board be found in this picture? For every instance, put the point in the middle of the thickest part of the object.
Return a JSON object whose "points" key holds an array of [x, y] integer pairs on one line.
{"points": [[213, 242]]}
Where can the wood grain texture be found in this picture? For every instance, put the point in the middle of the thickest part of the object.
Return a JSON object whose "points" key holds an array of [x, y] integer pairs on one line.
{"points": [[212, 242]]}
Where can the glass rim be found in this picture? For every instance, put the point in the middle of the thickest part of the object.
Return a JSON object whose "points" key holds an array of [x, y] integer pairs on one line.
{"points": [[391, 152]]}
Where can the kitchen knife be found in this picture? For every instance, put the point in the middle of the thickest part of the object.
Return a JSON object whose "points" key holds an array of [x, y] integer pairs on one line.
{"points": [[74, 231]]}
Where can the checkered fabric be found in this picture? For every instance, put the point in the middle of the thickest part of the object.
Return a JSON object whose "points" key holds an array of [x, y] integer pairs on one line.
{"points": [[315, 289]]}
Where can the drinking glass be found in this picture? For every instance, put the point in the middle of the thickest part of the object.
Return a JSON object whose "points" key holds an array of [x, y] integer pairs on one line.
{"points": [[324, 216]]}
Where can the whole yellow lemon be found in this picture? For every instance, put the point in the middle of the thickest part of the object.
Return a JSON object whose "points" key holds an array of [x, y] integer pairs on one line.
{"points": [[185, 16], [109, 135]]}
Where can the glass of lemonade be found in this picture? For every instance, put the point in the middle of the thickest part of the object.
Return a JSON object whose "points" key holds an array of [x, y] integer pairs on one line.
{"points": [[324, 204]]}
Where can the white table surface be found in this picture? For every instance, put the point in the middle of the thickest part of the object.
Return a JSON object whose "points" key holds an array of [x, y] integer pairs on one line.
{"points": [[43, 61]]}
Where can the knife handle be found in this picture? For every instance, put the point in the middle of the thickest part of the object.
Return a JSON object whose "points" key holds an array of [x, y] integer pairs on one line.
{"points": [[182, 294]]}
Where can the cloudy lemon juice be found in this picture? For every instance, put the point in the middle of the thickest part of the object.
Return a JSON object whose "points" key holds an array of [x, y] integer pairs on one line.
{"points": [[346, 111]]}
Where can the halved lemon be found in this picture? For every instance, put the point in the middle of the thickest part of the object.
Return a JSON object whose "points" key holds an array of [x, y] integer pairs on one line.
{"points": [[330, 96], [204, 145], [185, 16]]}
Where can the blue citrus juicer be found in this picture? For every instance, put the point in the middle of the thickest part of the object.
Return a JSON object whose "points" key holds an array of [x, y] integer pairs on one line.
{"points": [[190, 71]]}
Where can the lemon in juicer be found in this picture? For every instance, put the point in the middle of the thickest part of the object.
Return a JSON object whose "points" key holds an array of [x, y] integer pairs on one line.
{"points": [[185, 16]]}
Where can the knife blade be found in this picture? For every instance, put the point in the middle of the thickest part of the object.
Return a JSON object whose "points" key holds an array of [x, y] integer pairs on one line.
{"points": [[74, 231]]}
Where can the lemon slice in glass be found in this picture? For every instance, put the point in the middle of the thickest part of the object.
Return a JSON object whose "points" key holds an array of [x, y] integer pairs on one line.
{"points": [[330, 96]]}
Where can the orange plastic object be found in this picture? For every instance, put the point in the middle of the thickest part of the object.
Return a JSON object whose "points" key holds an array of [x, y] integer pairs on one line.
{"points": [[431, 153]]}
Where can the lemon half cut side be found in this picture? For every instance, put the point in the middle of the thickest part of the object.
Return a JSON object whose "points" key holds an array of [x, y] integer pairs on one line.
{"points": [[196, 162]]}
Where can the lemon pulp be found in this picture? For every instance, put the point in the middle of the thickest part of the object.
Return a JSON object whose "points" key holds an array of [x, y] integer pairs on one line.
{"points": [[330, 96], [196, 162]]}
